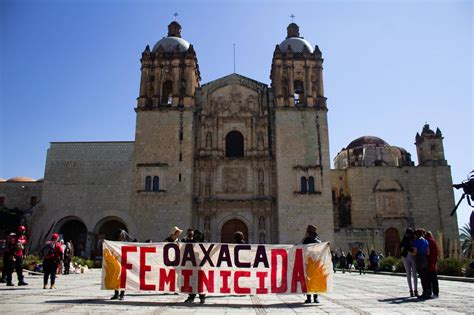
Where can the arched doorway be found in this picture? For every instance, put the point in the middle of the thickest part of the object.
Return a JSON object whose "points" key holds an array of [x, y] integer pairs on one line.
{"points": [[232, 226], [108, 228], [75, 231], [392, 242]]}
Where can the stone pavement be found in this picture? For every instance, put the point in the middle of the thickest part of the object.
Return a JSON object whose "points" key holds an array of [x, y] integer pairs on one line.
{"points": [[353, 294]]}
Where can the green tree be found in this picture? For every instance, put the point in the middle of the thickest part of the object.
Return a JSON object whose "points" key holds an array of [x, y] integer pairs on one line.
{"points": [[467, 243]]}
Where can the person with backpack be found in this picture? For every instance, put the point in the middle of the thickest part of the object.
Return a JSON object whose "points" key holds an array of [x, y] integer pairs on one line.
{"points": [[360, 258], [374, 261], [52, 256]]}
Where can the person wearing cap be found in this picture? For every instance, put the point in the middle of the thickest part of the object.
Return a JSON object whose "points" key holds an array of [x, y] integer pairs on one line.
{"points": [[52, 256], [311, 237], [20, 243], [9, 258], [174, 234]]}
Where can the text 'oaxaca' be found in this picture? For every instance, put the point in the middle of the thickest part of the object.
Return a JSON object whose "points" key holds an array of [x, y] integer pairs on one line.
{"points": [[217, 268]]}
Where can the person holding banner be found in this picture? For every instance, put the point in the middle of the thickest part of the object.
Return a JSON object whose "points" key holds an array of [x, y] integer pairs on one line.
{"points": [[122, 237], [311, 237], [174, 234], [197, 237]]}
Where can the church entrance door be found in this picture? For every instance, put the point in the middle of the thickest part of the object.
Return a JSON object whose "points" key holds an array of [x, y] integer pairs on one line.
{"points": [[392, 242], [232, 226]]}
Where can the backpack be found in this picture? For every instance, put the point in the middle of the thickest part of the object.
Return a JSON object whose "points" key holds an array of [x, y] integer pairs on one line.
{"points": [[49, 250]]}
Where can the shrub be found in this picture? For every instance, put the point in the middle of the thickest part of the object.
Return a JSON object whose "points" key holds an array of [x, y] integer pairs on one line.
{"points": [[390, 264], [451, 267]]}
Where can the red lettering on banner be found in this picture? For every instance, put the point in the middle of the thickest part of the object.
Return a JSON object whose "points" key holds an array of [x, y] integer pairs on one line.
{"points": [[144, 268], [169, 279], [225, 274], [186, 287], [237, 276], [125, 265], [207, 281], [261, 275], [298, 273], [274, 268]]}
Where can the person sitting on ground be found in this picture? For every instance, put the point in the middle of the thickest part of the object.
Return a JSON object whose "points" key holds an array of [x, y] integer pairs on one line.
{"points": [[174, 234], [311, 237], [360, 259], [198, 237], [52, 253]]}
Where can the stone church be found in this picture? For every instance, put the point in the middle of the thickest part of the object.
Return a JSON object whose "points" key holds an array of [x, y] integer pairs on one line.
{"points": [[236, 154]]}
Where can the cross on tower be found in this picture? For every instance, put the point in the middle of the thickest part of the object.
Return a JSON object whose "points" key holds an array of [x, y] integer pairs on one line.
{"points": [[175, 15], [292, 16]]}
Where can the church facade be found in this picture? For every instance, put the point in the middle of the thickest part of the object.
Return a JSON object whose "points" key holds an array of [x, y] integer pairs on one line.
{"points": [[237, 154]]}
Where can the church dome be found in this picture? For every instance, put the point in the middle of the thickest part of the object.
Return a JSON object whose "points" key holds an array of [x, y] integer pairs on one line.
{"points": [[2, 180], [367, 141], [294, 40], [20, 179], [173, 41]]}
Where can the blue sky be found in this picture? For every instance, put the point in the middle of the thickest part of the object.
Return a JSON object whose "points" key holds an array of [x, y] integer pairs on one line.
{"points": [[70, 70]]}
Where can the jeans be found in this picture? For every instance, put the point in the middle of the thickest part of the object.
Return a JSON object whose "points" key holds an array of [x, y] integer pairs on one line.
{"points": [[49, 268], [422, 269], [433, 282], [410, 268]]}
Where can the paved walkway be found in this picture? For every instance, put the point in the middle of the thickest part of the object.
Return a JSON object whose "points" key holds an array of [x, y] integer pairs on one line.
{"points": [[353, 294]]}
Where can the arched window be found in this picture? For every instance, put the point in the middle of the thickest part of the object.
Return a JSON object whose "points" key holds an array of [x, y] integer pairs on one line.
{"points": [[311, 184], [167, 93], [156, 183], [304, 185], [299, 92], [234, 144], [148, 183]]}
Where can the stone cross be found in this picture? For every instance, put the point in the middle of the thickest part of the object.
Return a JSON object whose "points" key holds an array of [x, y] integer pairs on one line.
{"points": [[292, 16], [175, 15]]}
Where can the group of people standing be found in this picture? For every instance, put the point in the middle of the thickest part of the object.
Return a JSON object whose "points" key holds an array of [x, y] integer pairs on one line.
{"points": [[358, 261], [420, 256]]}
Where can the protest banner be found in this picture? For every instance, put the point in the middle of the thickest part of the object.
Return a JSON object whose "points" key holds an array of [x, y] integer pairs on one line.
{"points": [[217, 268]]}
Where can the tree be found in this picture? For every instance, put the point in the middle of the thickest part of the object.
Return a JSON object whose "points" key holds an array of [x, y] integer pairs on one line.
{"points": [[467, 243]]}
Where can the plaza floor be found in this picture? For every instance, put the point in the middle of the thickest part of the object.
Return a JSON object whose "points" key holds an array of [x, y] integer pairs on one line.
{"points": [[353, 294]]}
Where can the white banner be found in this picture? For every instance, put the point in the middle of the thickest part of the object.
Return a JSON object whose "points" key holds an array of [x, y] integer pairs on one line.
{"points": [[217, 268]]}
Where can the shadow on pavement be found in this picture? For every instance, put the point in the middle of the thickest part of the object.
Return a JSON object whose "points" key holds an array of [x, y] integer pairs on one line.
{"points": [[182, 304], [402, 300]]}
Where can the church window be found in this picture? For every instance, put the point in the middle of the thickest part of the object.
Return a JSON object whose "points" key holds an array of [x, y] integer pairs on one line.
{"points": [[167, 93], [156, 183], [311, 184], [234, 144], [180, 157], [179, 178], [299, 92], [148, 183], [304, 185], [180, 135]]}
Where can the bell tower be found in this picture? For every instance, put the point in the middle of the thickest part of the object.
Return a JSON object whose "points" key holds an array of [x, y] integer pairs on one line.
{"points": [[301, 139], [170, 72], [429, 147], [297, 72], [163, 156]]}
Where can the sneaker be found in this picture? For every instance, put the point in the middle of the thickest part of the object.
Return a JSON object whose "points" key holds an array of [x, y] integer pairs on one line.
{"points": [[121, 297], [189, 300], [316, 299], [115, 297], [308, 300], [22, 283], [9, 284], [202, 300]]}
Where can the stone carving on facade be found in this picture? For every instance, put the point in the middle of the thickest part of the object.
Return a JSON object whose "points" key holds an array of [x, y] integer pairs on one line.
{"points": [[234, 180]]}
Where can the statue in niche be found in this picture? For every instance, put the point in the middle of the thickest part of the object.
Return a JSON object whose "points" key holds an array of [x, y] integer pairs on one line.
{"points": [[207, 223], [208, 140], [236, 102], [261, 223], [261, 238], [207, 189], [260, 141]]}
